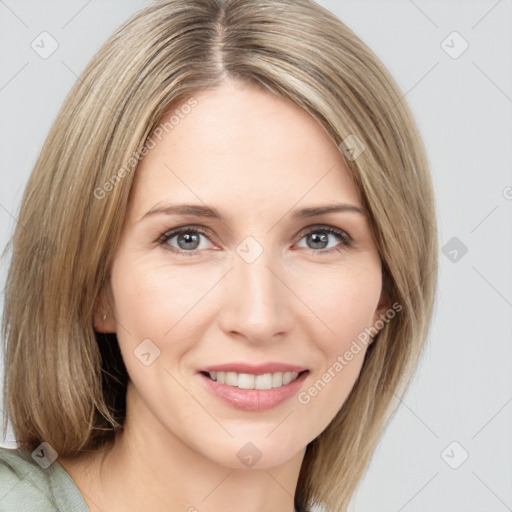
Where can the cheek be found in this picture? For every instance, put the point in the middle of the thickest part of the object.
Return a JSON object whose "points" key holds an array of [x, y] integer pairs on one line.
{"points": [[344, 302], [346, 307], [151, 300], [168, 305]]}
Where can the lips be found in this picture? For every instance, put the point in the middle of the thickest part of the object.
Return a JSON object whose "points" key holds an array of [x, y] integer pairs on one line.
{"points": [[249, 399], [250, 381], [254, 369]]}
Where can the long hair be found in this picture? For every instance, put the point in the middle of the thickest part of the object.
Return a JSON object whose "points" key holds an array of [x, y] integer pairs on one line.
{"points": [[64, 384]]}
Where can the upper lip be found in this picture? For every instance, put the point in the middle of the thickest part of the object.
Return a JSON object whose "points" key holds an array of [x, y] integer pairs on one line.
{"points": [[254, 369]]}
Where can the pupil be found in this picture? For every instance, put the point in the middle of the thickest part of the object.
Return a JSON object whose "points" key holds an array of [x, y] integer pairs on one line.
{"points": [[319, 239], [189, 239]]}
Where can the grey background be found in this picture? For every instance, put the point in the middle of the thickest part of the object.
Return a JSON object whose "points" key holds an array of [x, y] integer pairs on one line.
{"points": [[462, 392]]}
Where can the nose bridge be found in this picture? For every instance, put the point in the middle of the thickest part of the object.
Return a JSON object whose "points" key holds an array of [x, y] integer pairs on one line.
{"points": [[256, 305]]}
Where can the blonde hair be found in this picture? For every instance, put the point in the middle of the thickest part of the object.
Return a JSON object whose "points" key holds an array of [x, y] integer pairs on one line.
{"points": [[65, 385]]}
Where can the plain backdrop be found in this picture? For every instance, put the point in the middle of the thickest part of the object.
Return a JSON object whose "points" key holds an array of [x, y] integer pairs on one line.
{"points": [[449, 446]]}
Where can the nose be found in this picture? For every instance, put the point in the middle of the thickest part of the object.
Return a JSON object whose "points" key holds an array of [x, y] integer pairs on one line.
{"points": [[256, 302]]}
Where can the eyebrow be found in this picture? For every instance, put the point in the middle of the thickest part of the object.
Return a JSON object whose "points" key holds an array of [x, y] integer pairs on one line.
{"points": [[207, 211]]}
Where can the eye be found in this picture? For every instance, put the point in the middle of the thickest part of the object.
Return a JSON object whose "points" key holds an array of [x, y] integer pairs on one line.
{"points": [[188, 239], [318, 239]]}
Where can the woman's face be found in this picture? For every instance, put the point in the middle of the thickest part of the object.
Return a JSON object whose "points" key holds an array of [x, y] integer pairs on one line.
{"points": [[261, 289]]}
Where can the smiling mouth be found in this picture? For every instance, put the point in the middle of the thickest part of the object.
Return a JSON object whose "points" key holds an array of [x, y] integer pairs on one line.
{"points": [[251, 381]]}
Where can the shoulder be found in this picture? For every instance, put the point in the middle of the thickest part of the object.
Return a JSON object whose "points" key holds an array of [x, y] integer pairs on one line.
{"points": [[22, 483], [27, 486]]}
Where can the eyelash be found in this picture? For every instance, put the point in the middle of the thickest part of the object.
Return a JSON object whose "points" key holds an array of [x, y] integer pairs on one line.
{"points": [[342, 235]]}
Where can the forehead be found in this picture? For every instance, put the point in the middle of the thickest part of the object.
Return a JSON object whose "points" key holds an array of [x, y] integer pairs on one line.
{"points": [[239, 146]]}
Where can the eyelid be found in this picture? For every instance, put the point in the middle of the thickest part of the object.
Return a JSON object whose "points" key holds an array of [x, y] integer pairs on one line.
{"points": [[326, 227]]}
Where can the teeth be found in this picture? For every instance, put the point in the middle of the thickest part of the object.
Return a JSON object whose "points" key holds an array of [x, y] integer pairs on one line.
{"points": [[249, 381], [244, 381], [231, 379], [288, 377], [263, 381], [277, 379]]}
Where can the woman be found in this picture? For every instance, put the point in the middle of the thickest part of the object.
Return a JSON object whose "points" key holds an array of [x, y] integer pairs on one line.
{"points": [[224, 269]]}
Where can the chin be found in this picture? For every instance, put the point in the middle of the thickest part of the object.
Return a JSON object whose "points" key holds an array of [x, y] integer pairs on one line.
{"points": [[250, 452]]}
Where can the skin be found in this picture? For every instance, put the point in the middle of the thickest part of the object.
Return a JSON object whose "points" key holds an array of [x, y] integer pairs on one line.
{"points": [[256, 158]]}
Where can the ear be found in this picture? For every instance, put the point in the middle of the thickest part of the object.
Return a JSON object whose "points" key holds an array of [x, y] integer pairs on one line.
{"points": [[104, 320], [382, 307]]}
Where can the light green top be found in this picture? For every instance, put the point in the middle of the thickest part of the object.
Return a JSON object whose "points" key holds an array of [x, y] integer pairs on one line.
{"points": [[25, 486]]}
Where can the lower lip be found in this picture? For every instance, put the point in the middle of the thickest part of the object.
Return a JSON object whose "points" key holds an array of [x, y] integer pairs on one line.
{"points": [[254, 400]]}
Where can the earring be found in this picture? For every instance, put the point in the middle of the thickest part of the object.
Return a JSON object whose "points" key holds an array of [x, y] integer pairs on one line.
{"points": [[104, 317]]}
